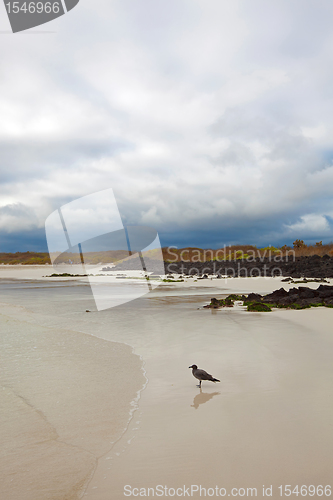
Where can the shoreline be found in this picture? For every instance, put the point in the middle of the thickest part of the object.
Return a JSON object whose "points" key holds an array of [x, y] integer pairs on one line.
{"points": [[270, 367], [37, 272], [262, 416], [313, 266], [56, 421]]}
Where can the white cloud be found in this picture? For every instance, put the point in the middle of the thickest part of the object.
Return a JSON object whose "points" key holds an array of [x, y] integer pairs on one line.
{"points": [[199, 115], [311, 225]]}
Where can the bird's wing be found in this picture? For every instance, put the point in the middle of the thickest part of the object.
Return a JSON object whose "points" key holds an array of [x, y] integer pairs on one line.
{"points": [[203, 375]]}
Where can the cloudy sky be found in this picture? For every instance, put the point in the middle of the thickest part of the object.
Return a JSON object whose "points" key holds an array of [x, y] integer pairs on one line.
{"points": [[211, 120]]}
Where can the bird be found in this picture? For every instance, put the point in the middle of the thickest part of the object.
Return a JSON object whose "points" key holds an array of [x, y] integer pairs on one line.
{"points": [[202, 375]]}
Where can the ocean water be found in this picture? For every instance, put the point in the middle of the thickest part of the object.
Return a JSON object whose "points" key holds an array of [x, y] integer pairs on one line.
{"points": [[268, 422]]}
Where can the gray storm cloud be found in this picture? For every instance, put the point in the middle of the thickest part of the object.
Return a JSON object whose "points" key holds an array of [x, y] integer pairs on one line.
{"points": [[211, 120]]}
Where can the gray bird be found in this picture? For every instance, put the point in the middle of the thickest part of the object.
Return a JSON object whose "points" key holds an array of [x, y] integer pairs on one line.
{"points": [[202, 375]]}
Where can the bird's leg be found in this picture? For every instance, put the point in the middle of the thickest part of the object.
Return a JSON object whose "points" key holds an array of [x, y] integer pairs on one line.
{"points": [[199, 384]]}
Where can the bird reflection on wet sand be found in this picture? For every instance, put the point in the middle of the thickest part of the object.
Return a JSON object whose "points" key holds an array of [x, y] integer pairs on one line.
{"points": [[202, 398]]}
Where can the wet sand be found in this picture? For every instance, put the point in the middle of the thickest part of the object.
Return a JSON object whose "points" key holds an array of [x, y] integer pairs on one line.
{"points": [[66, 397], [267, 423]]}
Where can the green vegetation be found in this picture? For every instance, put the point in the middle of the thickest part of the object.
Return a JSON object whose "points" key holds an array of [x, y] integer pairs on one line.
{"points": [[270, 249], [315, 280], [257, 303], [173, 254], [258, 307], [26, 258], [227, 302], [245, 252], [172, 281], [234, 296], [299, 244], [293, 306], [65, 275]]}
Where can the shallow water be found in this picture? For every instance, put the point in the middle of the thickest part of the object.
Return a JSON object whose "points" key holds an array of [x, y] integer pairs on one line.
{"points": [[55, 419], [268, 422]]}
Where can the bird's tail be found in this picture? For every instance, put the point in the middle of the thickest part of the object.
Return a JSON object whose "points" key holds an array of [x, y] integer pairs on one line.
{"points": [[215, 380]]}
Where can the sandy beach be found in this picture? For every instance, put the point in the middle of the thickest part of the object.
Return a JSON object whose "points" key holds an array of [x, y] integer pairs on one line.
{"points": [[71, 382], [67, 397], [267, 423]]}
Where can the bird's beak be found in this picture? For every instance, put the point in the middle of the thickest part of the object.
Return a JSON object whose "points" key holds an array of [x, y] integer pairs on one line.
{"points": [[190, 366]]}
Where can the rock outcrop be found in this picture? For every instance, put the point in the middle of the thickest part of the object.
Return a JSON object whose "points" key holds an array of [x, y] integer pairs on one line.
{"points": [[310, 267], [296, 298]]}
